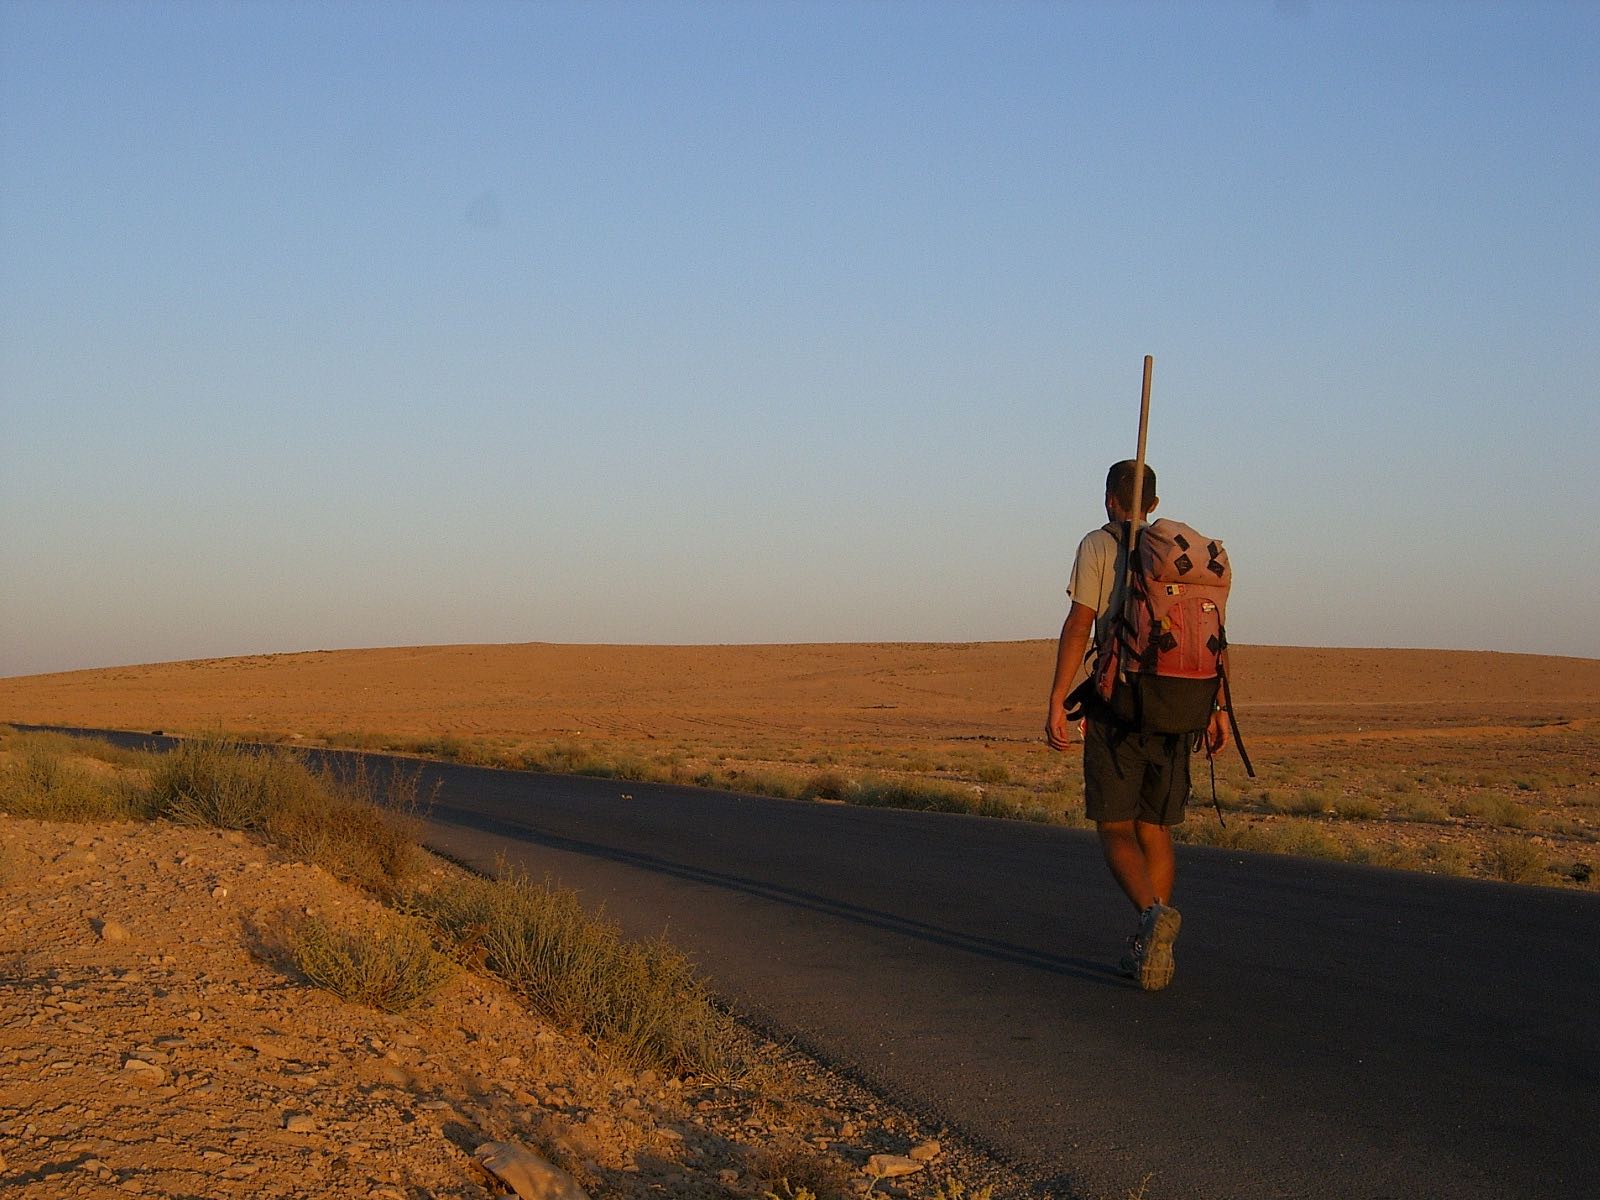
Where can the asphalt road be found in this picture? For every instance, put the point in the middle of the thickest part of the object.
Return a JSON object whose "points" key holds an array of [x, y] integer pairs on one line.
{"points": [[1333, 1031]]}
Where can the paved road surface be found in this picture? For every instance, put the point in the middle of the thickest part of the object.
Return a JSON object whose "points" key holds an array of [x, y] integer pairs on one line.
{"points": [[1333, 1031]]}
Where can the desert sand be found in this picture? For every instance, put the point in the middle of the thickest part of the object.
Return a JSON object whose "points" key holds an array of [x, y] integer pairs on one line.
{"points": [[888, 692]]}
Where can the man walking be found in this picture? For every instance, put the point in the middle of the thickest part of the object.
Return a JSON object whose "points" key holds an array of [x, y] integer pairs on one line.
{"points": [[1135, 784]]}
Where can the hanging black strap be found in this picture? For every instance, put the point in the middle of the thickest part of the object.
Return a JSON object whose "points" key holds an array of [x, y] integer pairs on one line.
{"points": [[1211, 761], [1233, 721]]}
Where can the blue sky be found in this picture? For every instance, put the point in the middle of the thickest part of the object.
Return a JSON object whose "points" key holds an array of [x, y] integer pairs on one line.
{"points": [[330, 325]]}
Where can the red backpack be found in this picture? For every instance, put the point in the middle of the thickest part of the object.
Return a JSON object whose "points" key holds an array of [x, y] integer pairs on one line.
{"points": [[1161, 668]]}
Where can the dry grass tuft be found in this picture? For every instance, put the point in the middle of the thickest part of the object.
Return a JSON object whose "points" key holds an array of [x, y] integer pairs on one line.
{"points": [[392, 966], [344, 818], [1517, 861], [640, 1000], [797, 1172], [46, 779]]}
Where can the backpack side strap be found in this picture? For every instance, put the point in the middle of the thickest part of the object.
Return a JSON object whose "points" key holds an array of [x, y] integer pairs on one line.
{"points": [[1233, 721]]}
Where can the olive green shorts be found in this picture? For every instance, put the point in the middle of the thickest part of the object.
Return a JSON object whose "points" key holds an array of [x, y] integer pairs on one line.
{"points": [[1133, 776]]}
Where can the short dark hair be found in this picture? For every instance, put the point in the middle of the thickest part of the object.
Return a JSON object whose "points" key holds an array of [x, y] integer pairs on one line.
{"points": [[1119, 483]]}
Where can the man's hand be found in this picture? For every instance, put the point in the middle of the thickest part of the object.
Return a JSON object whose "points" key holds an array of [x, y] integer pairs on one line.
{"points": [[1057, 729], [1217, 733]]}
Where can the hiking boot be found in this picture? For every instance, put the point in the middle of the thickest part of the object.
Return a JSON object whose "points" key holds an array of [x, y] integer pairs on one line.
{"points": [[1158, 930], [1132, 955]]}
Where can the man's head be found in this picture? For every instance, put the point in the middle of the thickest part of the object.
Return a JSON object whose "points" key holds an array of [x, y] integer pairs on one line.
{"points": [[1119, 489]]}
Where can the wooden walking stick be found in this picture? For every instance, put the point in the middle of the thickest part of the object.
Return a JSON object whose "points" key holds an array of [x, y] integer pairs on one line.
{"points": [[1132, 536], [1109, 666], [1138, 468]]}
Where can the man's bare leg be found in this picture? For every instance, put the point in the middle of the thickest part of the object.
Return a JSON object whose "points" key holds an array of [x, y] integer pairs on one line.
{"points": [[1160, 861], [1141, 859], [1126, 857]]}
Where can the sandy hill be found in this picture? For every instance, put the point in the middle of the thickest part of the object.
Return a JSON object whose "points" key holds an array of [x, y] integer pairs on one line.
{"points": [[887, 691]]}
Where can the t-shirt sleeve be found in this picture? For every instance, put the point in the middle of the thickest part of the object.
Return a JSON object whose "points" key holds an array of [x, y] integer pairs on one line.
{"points": [[1089, 582]]}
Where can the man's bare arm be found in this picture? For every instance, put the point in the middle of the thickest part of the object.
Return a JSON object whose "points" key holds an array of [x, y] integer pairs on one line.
{"points": [[1070, 650]]}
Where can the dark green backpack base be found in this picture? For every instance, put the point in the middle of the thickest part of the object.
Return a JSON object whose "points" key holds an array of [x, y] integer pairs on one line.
{"points": [[1162, 703]]}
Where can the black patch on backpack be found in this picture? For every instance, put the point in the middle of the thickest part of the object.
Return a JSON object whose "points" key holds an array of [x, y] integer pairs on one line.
{"points": [[1183, 564]]}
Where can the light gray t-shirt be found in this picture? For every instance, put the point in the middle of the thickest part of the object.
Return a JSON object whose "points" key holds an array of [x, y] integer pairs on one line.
{"points": [[1098, 572]]}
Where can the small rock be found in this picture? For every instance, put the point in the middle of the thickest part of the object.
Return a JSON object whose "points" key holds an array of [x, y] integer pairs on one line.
{"points": [[299, 1123], [528, 1175], [219, 892], [924, 1153], [143, 1074], [270, 1047], [891, 1166], [111, 931], [727, 1177]]}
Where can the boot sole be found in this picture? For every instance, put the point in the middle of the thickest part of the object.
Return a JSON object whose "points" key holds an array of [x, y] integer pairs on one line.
{"points": [[1158, 967]]}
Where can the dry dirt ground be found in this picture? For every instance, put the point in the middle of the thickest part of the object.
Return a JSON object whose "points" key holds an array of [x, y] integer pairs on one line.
{"points": [[1460, 762], [819, 694], [155, 1041]]}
